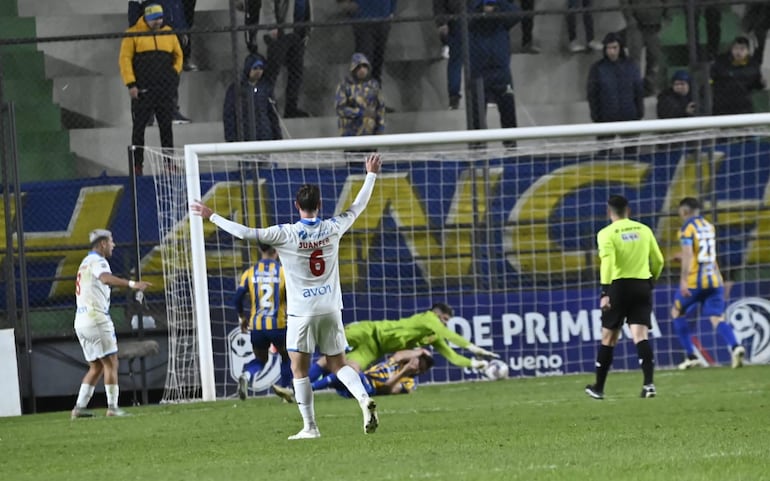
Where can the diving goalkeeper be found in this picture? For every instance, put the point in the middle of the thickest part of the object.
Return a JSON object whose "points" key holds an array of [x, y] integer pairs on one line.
{"points": [[369, 341]]}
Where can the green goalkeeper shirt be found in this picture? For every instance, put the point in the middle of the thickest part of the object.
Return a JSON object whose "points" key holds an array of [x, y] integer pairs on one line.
{"points": [[421, 329], [628, 250]]}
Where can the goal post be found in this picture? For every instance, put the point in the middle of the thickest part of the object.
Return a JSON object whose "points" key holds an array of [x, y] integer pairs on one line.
{"points": [[527, 283]]}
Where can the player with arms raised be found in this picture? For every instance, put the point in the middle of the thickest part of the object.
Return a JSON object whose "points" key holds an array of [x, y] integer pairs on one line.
{"points": [[700, 281], [309, 254]]}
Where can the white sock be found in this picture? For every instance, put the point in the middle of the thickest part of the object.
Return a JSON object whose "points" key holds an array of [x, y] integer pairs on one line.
{"points": [[303, 393], [112, 395], [352, 381], [84, 396]]}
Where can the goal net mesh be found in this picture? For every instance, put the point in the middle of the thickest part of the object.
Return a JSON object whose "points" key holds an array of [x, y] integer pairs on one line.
{"points": [[507, 237]]}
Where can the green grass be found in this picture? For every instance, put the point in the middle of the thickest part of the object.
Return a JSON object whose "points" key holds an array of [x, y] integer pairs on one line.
{"points": [[708, 424]]}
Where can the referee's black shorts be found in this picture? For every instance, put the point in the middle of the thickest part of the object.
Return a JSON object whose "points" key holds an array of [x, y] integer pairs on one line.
{"points": [[630, 301]]}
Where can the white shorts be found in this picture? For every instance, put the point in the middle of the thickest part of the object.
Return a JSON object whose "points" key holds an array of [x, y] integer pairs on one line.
{"points": [[304, 333], [97, 341]]}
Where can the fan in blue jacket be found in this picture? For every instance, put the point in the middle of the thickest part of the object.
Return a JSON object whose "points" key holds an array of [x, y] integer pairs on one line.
{"points": [[615, 90], [259, 118], [490, 54]]}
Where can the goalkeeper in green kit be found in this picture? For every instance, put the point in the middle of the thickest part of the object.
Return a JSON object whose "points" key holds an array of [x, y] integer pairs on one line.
{"points": [[369, 341]]}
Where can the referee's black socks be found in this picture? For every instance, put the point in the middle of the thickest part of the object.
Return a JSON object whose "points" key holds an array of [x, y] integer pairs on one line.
{"points": [[603, 364], [646, 360]]}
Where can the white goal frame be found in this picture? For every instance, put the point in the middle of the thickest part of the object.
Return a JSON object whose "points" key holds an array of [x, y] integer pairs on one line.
{"points": [[193, 151]]}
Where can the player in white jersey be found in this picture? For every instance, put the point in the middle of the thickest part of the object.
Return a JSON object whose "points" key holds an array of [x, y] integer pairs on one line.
{"points": [[309, 253], [93, 325]]}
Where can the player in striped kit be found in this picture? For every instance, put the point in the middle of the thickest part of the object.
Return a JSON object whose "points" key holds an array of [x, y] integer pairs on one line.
{"points": [[700, 282], [93, 324], [394, 375], [309, 251], [265, 285]]}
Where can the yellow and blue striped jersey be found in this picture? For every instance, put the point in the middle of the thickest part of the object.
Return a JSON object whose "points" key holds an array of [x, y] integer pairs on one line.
{"points": [[698, 233], [379, 374], [266, 285]]}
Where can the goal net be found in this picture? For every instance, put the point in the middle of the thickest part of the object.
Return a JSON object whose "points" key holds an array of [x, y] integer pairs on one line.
{"points": [[506, 236]]}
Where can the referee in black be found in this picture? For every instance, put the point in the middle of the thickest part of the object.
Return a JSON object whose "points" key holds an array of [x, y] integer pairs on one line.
{"points": [[630, 261]]}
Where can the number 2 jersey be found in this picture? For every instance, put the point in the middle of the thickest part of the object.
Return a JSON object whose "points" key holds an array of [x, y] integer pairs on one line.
{"points": [[265, 283], [309, 252], [92, 296], [704, 273]]}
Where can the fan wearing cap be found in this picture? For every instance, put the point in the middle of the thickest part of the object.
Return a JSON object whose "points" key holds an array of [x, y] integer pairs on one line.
{"points": [[259, 118], [93, 325], [150, 66], [676, 101]]}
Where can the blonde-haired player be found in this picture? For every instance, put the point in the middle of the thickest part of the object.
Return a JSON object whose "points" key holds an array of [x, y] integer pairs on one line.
{"points": [[93, 324]]}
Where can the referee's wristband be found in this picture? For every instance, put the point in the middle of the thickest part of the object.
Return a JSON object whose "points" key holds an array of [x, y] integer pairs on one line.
{"points": [[605, 290], [131, 284]]}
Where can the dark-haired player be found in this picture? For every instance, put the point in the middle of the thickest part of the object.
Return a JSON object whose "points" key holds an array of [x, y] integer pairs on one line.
{"points": [[630, 261], [264, 285], [309, 251], [394, 375], [700, 281], [371, 340]]}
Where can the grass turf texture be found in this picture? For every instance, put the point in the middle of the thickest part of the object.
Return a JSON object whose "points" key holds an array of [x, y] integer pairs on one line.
{"points": [[706, 424]]}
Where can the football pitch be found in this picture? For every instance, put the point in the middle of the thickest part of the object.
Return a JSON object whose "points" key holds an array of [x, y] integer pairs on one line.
{"points": [[707, 424]]}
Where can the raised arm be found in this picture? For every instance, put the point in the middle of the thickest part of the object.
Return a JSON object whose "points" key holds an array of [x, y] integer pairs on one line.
{"points": [[373, 164], [238, 230]]}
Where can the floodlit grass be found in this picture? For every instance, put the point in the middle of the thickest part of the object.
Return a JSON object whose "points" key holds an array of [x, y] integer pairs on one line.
{"points": [[709, 424]]}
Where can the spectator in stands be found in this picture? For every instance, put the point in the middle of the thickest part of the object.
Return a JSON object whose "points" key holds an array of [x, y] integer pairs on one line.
{"points": [[259, 118], [676, 101], [527, 24], [371, 38], [150, 68], [174, 18], [614, 85], [588, 24], [490, 54], [734, 76], [756, 22], [360, 107], [286, 46], [450, 33], [643, 25]]}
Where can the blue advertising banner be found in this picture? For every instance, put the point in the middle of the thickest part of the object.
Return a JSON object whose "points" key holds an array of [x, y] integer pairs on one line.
{"points": [[513, 252]]}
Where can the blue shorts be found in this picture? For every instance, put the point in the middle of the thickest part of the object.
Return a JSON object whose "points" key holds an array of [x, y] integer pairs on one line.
{"points": [[261, 339], [712, 299]]}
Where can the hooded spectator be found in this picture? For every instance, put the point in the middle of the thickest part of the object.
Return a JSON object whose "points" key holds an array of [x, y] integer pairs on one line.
{"points": [[360, 107], [676, 101], [615, 90], [258, 113]]}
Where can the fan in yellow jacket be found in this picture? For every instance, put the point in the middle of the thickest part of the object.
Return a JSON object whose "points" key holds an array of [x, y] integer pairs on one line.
{"points": [[150, 67]]}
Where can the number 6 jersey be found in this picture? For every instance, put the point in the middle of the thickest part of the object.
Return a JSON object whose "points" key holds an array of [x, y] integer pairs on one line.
{"points": [[309, 252]]}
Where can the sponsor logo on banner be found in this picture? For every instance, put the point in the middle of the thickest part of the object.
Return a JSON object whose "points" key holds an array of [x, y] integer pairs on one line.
{"points": [[750, 318], [547, 334], [241, 353]]}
